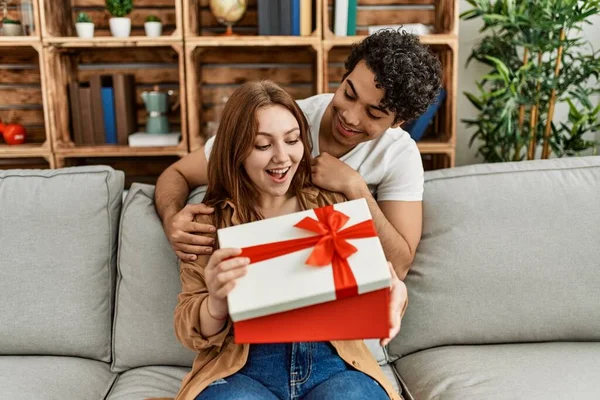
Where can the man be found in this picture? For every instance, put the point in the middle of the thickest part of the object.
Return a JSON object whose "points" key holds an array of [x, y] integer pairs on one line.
{"points": [[359, 148]]}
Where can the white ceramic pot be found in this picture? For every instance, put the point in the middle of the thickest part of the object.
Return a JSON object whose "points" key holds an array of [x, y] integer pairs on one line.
{"points": [[153, 29], [120, 27], [12, 29], [85, 30]]}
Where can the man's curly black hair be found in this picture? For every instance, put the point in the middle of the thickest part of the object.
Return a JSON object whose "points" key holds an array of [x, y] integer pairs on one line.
{"points": [[407, 70]]}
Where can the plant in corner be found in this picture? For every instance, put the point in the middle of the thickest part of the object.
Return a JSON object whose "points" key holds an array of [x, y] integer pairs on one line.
{"points": [[120, 24], [536, 60], [153, 26], [84, 26], [11, 27]]}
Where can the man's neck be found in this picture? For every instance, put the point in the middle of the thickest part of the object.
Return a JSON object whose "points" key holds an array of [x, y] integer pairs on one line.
{"points": [[327, 144]]}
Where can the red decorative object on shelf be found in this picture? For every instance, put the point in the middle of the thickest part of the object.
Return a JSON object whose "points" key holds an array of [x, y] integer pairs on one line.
{"points": [[14, 133]]}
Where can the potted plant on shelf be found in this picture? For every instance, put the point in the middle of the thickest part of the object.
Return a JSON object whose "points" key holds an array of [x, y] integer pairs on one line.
{"points": [[12, 27], [153, 26], [120, 24], [84, 26]]}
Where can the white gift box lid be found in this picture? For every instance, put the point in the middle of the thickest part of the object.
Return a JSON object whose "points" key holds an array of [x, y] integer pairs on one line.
{"points": [[286, 282]]}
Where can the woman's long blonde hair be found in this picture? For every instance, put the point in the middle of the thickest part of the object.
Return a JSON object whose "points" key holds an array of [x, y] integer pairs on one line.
{"points": [[227, 178]]}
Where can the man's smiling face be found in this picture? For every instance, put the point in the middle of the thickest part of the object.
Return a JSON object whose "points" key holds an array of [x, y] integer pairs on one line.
{"points": [[357, 116]]}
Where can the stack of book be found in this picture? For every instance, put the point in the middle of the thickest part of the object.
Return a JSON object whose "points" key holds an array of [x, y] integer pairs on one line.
{"points": [[344, 17], [103, 110], [286, 17]]}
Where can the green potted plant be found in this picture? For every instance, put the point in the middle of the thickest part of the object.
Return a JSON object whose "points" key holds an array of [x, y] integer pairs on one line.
{"points": [[84, 26], [12, 27], [153, 26], [120, 24], [537, 60]]}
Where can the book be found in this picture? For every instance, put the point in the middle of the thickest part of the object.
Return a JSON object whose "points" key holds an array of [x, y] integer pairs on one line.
{"points": [[306, 17], [97, 113], [340, 11], [265, 17], [417, 127], [295, 17], [108, 112], [141, 139], [285, 17], [125, 106], [352, 9], [86, 115], [74, 105]]}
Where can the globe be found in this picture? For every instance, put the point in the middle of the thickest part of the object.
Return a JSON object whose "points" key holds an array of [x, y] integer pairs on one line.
{"points": [[228, 12]]}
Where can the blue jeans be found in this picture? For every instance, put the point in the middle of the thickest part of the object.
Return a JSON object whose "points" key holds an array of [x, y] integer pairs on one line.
{"points": [[292, 371]]}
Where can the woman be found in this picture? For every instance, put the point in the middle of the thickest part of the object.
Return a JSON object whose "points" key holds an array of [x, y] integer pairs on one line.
{"points": [[260, 168]]}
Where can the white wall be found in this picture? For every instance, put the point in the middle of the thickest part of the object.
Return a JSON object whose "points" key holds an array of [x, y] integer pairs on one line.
{"points": [[468, 36]]}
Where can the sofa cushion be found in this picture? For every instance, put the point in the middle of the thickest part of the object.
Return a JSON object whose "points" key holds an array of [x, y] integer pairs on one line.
{"points": [[509, 253], [498, 372], [58, 245], [148, 382], [147, 288], [53, 378]]}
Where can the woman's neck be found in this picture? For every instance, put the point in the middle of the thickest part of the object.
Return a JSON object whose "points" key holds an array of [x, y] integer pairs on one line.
{"points": [[274, 206]]}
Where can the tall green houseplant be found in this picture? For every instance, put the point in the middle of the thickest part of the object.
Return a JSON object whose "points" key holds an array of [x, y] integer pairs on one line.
{"points": [[537, 60]]}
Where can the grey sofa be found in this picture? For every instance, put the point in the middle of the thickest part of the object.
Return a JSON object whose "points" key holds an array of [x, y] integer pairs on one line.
{"points": [[504, 292]]}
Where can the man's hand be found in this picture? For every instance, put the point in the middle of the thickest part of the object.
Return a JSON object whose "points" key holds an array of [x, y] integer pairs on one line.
{"points": [[179, 230], [330, 173], [398, 299]]}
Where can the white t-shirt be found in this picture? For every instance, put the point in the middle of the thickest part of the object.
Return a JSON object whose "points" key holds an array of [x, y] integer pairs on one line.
{"points": [[391, 165]]}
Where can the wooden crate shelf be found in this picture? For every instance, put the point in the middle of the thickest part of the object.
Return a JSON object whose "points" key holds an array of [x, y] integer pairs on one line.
{"points": [[200, 22], [202, 66], [214, 73], [23, 95], [158, 65], [32, 161], [120, 151], [257, 41], [108, 42], [441, 15], [58, 17], [28, 13]]}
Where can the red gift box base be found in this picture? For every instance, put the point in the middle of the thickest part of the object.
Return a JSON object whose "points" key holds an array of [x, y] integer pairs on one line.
{"points": [[359, 317]]}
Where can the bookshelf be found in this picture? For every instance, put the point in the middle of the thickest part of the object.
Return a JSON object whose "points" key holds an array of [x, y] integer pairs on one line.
{"points": [[200, 66]]}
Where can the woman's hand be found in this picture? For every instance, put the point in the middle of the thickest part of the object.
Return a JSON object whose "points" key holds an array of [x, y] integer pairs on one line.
{"points": [[398, 299], [221, 273]]}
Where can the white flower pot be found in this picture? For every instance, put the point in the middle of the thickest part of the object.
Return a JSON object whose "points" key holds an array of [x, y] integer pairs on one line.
{"points": [[120, 27], [153, 29], [85, 29], [12, 29]]}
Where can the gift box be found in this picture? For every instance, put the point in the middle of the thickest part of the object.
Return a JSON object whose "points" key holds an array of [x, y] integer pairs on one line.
{"points": [[314, 275]]}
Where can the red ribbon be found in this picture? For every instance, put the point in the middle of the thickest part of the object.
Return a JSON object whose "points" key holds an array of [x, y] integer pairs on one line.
{"points": [[330, 246]]}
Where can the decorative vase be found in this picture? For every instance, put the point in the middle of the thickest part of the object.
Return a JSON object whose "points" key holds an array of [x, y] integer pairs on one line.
{"points": [[85, 30], [120, 26], [153, 29]]}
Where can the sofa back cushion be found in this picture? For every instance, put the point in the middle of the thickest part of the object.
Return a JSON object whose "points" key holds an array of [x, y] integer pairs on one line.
{"points": [[58, 232], [509, 253], [147, 287]]}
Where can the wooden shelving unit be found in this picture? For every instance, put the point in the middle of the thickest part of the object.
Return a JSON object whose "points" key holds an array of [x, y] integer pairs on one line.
{"points": [[200, 65]]}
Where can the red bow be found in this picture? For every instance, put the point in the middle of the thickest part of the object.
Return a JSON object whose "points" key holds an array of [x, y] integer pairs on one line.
{"points": [[330, 246]]}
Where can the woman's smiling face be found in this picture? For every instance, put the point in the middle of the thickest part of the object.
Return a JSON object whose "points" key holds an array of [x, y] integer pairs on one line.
{"points": [[276, 153]]}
